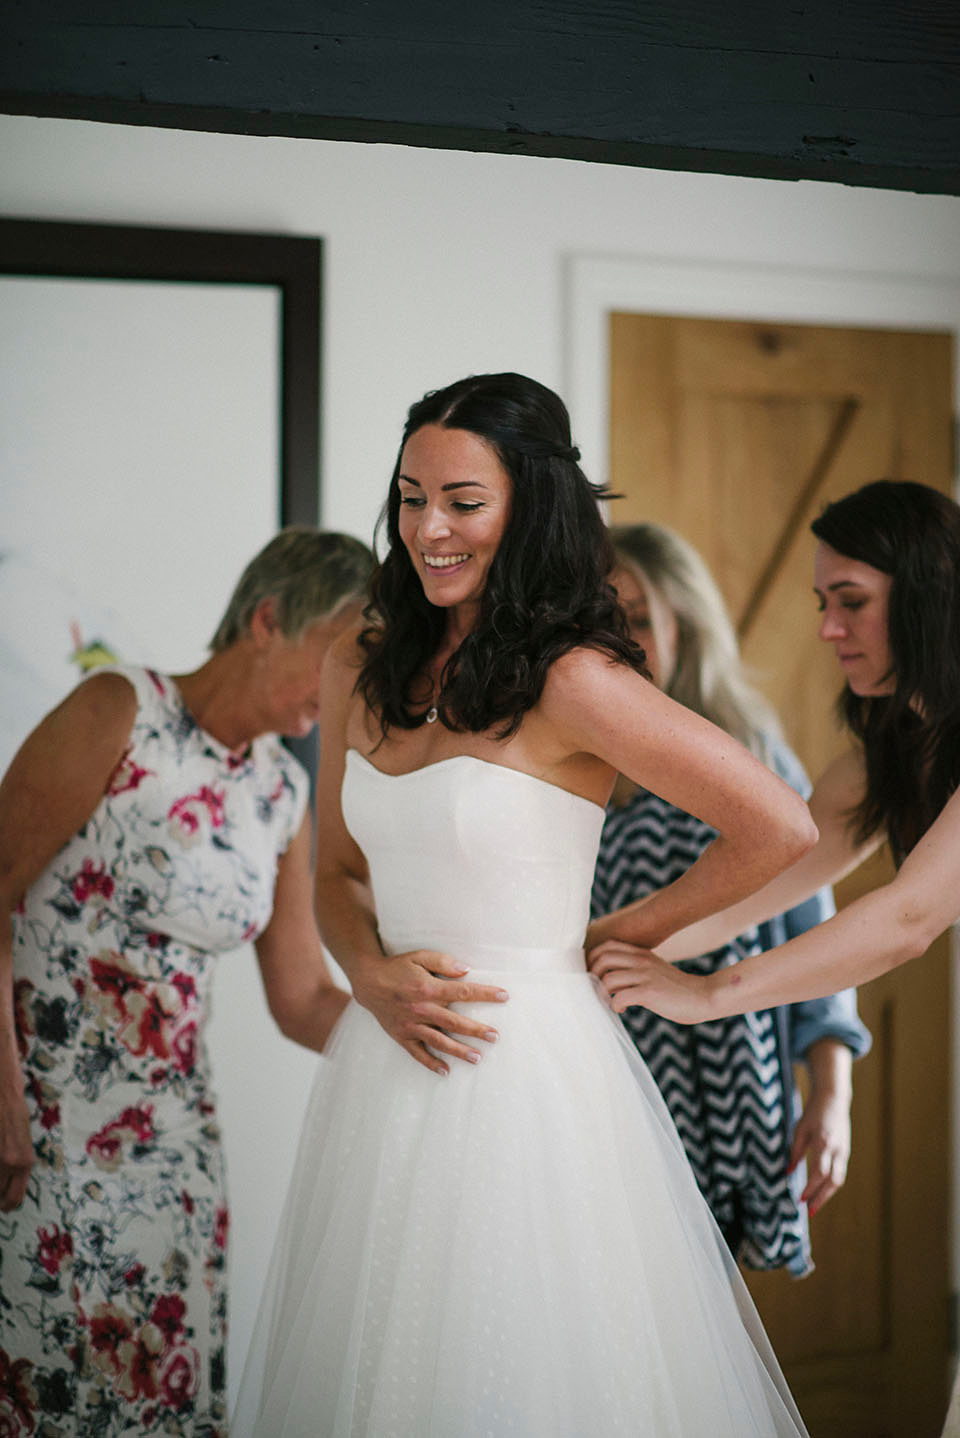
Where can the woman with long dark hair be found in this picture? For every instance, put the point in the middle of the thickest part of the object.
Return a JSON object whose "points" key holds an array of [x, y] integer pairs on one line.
{"points": [[518, 1247], [887, 581]]}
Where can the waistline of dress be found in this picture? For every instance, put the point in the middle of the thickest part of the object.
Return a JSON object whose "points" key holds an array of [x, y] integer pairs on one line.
{"points": [[514, 959]]}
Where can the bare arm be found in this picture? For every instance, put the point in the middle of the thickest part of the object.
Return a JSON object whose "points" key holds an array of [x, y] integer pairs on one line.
{"points": [[835, 854], [302, 997], [876, 933], [53, 785], [762, 824], [409, 994]]}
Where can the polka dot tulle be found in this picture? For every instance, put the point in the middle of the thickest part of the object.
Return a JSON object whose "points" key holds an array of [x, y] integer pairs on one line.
{"points": [[518, 1248]]}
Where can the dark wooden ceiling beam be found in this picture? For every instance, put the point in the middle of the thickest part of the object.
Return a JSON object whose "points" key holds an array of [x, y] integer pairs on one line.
{"points": [[857, 91]]}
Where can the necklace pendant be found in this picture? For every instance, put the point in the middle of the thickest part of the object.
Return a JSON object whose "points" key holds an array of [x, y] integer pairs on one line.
{"points": [[431, 714]]}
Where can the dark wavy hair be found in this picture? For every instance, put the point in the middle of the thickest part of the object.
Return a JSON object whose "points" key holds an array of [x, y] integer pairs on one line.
{"points": [[911, 738], [547, 588]]}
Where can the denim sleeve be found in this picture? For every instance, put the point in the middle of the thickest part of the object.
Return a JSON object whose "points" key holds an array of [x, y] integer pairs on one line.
{"points": [[834, 1017]]}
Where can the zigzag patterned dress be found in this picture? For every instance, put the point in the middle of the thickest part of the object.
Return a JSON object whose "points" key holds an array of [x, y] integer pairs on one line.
{"points": [[728, 1084]]}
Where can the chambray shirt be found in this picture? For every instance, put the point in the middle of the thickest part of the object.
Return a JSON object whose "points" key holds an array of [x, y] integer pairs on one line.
{"points": [[833, 1017]]}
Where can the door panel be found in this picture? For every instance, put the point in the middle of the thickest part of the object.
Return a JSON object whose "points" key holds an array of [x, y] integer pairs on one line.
{"points": [[736, 434]]}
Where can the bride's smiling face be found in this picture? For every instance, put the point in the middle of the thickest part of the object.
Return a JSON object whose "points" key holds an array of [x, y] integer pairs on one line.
{"points": [[454, 509]]}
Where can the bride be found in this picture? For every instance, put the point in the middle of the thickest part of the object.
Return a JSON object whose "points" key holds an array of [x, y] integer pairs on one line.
{"points": [[516, 1245]]}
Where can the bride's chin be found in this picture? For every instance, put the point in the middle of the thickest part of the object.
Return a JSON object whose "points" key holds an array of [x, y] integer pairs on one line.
{"points": [[436, 595]]}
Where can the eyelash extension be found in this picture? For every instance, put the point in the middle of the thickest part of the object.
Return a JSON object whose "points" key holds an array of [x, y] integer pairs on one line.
{"points": [[462, 506], [844, 604]]}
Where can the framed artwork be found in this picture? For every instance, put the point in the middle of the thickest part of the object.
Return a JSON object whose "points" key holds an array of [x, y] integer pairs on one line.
{"points": [[159, 419]]}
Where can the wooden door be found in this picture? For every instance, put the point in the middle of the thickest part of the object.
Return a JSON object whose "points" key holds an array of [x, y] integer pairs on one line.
{"points": [[736, 434]]}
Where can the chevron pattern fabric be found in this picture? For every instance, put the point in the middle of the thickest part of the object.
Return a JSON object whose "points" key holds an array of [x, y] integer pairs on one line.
{"points": [[722, 1081]]}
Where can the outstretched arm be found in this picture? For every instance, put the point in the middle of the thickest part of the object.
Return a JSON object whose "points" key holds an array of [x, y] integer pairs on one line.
{"points": [[834, 855], [876, 933]]}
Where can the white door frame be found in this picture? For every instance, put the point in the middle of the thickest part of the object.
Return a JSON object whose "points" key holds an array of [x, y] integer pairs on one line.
{"points": [[594, 286]]}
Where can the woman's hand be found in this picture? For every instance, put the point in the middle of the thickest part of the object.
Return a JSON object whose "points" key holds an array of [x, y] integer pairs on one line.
{"points": [[634, 976], [823, 1135], [16, 1151], [410, 996]]}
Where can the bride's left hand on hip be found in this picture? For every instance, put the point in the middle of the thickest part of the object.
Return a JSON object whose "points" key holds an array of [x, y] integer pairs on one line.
{"points": [[410, 996]]}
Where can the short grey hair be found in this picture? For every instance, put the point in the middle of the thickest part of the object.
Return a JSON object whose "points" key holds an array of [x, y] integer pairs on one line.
{"points": [[309, 573]]}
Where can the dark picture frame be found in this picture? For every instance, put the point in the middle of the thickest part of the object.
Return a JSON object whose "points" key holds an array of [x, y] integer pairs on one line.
{"points": [[292, 264]]}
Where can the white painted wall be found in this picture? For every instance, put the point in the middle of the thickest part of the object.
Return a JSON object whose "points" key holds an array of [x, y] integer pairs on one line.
{"points": [[437, 264]]}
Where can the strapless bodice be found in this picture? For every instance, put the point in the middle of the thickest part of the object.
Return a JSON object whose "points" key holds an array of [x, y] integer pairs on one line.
{"points": [[487, 863]]}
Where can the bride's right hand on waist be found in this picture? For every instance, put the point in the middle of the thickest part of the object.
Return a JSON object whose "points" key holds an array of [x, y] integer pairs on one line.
{"points": [[410, 996]]}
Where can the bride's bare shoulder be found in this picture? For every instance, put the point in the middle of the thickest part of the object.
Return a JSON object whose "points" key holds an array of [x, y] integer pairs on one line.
{"points": [[583, 673]]}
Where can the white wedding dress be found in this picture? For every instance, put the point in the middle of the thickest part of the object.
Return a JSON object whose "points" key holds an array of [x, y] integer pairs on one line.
{"points": [[518, 1248]]}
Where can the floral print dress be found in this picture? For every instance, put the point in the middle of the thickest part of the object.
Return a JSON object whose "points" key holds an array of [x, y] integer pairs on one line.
{"points": [[112, 1272]]}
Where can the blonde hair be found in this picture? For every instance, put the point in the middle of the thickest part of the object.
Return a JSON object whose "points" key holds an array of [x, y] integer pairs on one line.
{"points": [[709, 675], [308, 573]]}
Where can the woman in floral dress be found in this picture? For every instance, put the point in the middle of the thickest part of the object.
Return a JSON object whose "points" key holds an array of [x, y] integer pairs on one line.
{"points": [[147, 824]]}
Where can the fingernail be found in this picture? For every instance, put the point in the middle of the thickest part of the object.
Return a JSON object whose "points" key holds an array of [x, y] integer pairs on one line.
{"points": [[459, 970], [502, 994], [491, 1035], [473, 1056]]}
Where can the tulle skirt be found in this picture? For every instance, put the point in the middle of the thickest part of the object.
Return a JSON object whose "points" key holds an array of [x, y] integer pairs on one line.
{"points": [[516, 1249]]}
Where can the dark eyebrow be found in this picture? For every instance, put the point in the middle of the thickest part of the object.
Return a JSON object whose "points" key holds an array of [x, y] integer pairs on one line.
{"points": [[840, 584], [454, 484]]}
